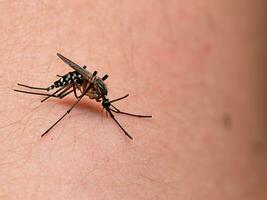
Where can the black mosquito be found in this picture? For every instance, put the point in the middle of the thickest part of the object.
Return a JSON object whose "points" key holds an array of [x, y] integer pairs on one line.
{"points": [[89, 84]]}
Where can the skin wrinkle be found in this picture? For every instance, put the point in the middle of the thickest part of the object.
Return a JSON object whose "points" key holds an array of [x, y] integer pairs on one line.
{"points": [[82, 178], [18, 122], [168, 21], [160, 182], [8, 125]]}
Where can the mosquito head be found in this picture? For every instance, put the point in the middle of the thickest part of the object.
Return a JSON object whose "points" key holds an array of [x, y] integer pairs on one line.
{"points": [[105, 103]]}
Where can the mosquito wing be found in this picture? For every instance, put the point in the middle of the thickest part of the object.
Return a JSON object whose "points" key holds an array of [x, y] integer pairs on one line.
{"points": [[86, 74]]}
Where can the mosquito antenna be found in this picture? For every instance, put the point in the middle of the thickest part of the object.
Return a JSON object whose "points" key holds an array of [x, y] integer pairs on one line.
{"points": [[112, 116], [119, 98], [35, 88], [130, 114]]}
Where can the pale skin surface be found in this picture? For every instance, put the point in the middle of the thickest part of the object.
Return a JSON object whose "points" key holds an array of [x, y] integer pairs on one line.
{"points": [[197, 67]]}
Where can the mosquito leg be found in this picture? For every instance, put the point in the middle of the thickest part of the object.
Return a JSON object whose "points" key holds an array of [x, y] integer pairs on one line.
{"points": [[35, 93], [54, 94], [105, 77], [93, 76], [64, 91], [75, 92], [47, 95], [130, 114], [112, 116], [62, 96], [35, 88], [119, 98], [74, 88], [69, 110]]}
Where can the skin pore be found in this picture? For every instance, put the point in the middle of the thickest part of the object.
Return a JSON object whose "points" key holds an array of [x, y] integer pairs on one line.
{"points": [[196, 66]]}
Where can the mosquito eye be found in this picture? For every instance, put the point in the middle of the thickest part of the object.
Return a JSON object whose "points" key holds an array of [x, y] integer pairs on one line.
{"points": [[105, 104]]}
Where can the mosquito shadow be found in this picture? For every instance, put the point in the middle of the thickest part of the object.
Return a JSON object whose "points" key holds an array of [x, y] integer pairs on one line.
{"points": [[92, 107]]}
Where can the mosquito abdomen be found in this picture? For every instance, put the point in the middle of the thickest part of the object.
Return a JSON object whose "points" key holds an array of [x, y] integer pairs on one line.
{"points": [[67, 79]]}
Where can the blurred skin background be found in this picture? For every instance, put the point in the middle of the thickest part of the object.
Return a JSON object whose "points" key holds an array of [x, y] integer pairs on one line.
{"points": [[199, 67]]}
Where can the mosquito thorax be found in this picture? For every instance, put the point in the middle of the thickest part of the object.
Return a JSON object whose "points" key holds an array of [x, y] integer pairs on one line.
{"points": [[101, 87]]}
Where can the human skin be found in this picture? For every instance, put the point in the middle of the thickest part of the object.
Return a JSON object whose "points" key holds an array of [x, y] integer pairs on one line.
{"points": [[197, 66]]}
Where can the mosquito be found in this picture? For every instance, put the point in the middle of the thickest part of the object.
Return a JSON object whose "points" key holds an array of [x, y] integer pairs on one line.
{"points": [[89, 84]]}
